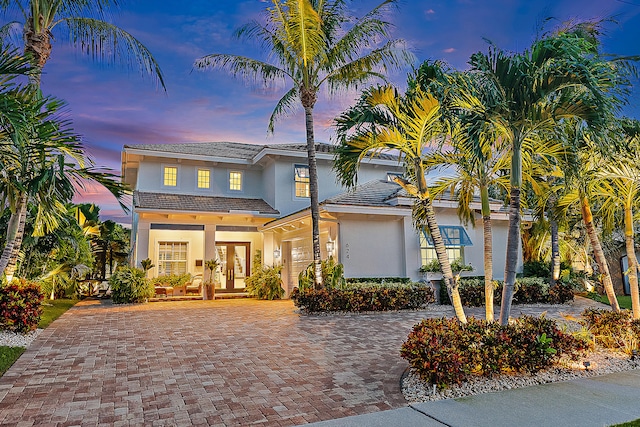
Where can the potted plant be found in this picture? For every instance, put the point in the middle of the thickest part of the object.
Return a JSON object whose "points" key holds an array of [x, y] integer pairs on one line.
{"points": [[209, 285]]}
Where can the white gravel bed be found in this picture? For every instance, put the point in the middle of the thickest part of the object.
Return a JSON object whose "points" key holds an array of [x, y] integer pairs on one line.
{"points": [[601, 362], [14, 339]]}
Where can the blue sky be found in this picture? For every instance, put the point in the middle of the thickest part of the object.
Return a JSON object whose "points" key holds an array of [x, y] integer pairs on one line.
{"points": [[112, 106]]}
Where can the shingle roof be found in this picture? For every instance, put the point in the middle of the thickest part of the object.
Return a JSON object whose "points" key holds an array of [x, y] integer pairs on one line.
{"points": [[372, 193], [185, 202], [235, 150]]}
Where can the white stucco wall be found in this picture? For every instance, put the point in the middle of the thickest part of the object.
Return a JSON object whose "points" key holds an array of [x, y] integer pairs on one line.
{"points": [[372, 247]]}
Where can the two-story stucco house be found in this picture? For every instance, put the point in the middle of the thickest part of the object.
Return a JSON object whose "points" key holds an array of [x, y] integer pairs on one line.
{"points": [[222, 200]]}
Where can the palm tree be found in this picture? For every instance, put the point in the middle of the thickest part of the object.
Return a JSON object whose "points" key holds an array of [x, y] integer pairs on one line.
{"points": [[560, 76], [313, 44], [84, 23], [383, 120], [618, 188], [45, 167]]}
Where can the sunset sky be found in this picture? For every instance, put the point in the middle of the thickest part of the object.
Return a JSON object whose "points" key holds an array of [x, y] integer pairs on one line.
{"points": [[112, 106]]}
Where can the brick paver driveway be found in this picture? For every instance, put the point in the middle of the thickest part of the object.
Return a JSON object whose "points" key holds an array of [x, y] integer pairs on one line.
{"points": [[229, 362]]}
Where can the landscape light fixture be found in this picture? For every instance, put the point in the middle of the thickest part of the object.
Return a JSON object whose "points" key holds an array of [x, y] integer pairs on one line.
{"points": [[586, 364]]}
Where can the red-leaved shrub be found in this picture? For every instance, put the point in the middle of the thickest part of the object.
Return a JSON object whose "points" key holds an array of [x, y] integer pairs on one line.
{"points": [[20, 306]]}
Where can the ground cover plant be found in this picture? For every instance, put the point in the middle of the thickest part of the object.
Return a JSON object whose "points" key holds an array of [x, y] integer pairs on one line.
{"points": [[365, 296], [445, 352], [616, 330], [624, 301]]}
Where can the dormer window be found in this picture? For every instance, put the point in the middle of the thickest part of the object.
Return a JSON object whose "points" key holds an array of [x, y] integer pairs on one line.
{"points": [[301, 179], [235, 180], [170, 176], [204, 179]]}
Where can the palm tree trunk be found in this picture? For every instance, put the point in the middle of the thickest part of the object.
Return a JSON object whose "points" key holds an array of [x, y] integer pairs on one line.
{"points": [[555, 253], [488, 253], [441, 252], [37, 44], [313, 193], [513, 237], [598, 253], [633, 262], [15, 233]]}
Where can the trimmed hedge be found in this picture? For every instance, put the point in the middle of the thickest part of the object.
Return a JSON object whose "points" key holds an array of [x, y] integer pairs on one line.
{"points": [[446, 352], [380, 280], [20, 306], [528, 290], [364, 297]]}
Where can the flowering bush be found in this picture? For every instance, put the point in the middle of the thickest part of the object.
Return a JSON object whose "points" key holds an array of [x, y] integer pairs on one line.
{"points": [[20, 305]]}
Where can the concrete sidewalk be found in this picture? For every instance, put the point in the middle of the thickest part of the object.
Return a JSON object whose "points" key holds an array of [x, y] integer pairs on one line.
{"points": [[597, 401]]}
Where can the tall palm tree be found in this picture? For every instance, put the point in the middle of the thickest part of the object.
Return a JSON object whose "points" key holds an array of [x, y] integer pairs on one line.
{"points": [[84, 22], [383, 120], [313, 43], [560, 76], [618, 188]]}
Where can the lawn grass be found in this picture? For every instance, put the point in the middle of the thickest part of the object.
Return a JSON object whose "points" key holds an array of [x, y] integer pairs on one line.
{"points": [[635, 423], [624, 301], [52, 309], [8, 355]]}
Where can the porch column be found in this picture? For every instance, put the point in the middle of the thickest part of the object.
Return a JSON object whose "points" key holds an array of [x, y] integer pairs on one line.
{"points": [[268, 246], [209, 242], [411, 250], [143, 249]]}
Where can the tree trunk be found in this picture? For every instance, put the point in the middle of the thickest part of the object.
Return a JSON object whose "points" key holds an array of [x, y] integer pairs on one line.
{"points": [[555, 253], [313, 193], [488, 253], [598, 253], [633, 262], [37, 44], [438, 243], [15, 234], [513, 237]]}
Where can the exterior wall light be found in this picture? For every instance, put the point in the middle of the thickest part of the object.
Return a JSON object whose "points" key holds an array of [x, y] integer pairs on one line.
{"points": [[277, 253], [330, 246]]}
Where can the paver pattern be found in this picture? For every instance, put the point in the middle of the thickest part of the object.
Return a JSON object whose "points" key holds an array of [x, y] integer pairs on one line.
{"points": [[223, 362]]}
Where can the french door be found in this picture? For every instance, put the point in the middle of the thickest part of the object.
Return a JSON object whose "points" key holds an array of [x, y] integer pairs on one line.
{"points": [[234, 264]]}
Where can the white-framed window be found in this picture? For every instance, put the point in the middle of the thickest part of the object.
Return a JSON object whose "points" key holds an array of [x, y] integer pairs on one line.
{"points": [[172, 258], [455, 239], [169, 176], [235, 180], [301, 181], [203, 179]]}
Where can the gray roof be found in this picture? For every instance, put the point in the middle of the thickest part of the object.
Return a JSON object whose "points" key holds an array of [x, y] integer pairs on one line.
{"points": [[372, 193], [235, 150], [185, 202]]}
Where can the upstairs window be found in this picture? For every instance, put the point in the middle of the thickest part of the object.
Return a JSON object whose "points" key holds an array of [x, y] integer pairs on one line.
{"points": [[170, 178], [204, 178], [235, 181], [301, 179]]}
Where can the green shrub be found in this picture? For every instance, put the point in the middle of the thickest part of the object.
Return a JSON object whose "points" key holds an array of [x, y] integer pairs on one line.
{"points": [[265, 283], [173, 280], [379, 280], [364, 297], [20, 305], [129, 285], [613, 329], [528, 290], [446, 352], [332, 275]]}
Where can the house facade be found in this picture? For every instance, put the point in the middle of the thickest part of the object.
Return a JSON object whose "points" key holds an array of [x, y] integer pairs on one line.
{"points": [[227, 201]]}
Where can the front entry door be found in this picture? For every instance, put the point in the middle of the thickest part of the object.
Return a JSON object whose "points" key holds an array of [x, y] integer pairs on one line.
{"points": [[234, 264]]}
